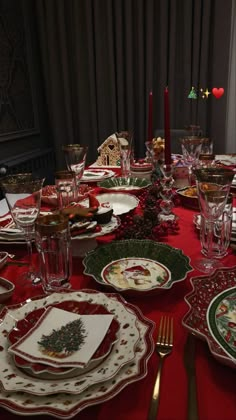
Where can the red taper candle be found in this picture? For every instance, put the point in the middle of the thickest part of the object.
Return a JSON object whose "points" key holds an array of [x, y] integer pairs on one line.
{"points": [[167, 127]]}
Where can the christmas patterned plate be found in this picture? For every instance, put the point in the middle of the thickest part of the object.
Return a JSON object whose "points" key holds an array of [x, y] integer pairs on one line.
{"points": [[205, 290], [136, 252], [64, 406], [123, 351], [43, 371], [130, 185], [121, 203], [105, 229], [221, 320]]}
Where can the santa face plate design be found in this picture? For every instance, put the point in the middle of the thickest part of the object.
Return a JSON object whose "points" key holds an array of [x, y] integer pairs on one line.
{"points": [[136, 273]]}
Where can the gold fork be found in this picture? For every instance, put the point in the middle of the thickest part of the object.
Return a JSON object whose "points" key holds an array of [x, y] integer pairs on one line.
{"points": [[164, 346]]}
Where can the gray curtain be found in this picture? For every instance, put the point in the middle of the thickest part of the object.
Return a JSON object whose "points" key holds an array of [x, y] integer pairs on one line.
{"points": [[102, 57]]}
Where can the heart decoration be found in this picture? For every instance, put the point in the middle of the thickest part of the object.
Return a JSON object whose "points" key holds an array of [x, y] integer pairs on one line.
{"points": [[218, 92]]}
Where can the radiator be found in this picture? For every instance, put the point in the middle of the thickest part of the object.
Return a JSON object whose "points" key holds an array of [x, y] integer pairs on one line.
{"points": [[39, 162]]}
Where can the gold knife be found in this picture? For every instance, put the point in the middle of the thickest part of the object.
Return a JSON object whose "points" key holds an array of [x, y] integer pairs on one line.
{"points": [[189, 359]]}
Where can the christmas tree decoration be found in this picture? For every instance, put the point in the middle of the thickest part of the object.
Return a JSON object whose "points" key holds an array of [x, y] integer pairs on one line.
{"points": [[192, 94], [63, 342]]}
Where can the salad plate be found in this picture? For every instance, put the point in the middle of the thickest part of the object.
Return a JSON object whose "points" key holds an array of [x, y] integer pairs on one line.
{"points": [[130, 185], [120, 203], [204, 290], [26, 324], [66, 406], [123, 350], [94, 175], [131, 262]]}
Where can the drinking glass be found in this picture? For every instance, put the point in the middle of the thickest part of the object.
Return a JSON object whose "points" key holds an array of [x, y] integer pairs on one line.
{"points": [[125, 147], [191, 149], [23, 194], [75, 156], [213, 187], [166, 193], [65, 182]]}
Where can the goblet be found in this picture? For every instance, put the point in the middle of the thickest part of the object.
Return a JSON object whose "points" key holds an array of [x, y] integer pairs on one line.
{"points": [[23, 195], [191, 149], [213, 187], [75, 156]]}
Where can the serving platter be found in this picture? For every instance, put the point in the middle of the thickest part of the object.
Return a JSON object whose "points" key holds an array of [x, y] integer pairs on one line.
{"points": [[137, 253], [66, 406], [119, 184], [204, 290], [122, 352], [188, 198]]}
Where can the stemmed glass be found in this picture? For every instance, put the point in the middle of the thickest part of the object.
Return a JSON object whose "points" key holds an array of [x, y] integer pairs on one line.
{"points": [[191, 149], [23, 194], [75, 156], [213, 187]]}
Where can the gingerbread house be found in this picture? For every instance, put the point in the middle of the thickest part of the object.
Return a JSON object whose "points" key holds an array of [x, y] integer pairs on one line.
{"points": [[108, 151]]}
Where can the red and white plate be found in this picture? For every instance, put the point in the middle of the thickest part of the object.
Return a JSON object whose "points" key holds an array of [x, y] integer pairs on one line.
{"points": [[94, 175], [57, 404], [204, 291], [26, 324]]}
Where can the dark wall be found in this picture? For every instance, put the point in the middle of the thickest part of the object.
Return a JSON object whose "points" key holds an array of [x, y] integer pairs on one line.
{"points": [[23, 116]]}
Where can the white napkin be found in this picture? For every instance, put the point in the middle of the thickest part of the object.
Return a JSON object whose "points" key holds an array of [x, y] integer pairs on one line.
{"points": [[95, 326]]}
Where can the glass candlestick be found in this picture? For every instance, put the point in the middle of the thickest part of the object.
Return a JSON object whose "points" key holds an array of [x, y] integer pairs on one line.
{"points": [[167, 182]]}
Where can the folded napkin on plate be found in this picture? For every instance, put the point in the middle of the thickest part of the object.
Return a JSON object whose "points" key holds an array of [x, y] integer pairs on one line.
{"points": [[62, 338]]}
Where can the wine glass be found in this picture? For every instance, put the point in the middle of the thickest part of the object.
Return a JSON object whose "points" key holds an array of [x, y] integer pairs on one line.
{"points": [[191, 149], [75, 156], [23, 195], [213, 187]]}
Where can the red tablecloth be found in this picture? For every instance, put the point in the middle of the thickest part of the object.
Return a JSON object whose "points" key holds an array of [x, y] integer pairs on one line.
{"points": [[216, 383]]}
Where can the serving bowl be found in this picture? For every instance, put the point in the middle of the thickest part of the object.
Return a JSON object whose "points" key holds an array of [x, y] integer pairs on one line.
{"points": [[131, 185], [188, 197], [137, 267]]}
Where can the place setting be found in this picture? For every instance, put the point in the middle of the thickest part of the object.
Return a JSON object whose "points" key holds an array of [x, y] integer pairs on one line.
{"points": [[46, 367]]}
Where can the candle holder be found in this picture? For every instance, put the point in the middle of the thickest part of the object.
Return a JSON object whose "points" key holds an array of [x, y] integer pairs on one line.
{"points": [[167, 204]]}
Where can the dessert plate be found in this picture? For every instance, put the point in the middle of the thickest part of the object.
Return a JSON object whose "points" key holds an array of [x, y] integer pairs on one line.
{"points": [[130, 185], [94, 175], [123, 350], [221, 321], [137, 253], [64, 406], [204, 291], [24, 325], [121, 203], [105, 229]]}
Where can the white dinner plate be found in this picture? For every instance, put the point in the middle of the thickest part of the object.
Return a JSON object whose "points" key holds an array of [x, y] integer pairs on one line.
{"points": [[95, 175], [120, 203]]}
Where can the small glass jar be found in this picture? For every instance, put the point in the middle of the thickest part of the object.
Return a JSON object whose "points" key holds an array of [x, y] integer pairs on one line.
{"points": [[53, 242], [206, 160]]}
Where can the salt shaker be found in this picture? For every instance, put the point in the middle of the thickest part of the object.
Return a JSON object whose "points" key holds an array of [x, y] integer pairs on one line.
{"points": [[53, 242]]}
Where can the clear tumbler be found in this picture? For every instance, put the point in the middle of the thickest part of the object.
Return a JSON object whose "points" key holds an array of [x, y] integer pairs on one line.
{"points": [[53, 242]]}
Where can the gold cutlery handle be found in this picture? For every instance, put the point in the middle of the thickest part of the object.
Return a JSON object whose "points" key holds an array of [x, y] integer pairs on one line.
{"points": [[156, 393]]}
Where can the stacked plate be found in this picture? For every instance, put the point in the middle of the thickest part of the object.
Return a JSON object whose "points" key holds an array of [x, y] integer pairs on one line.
{"points": [[94, 175], [58, 385], [211, 314]]}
